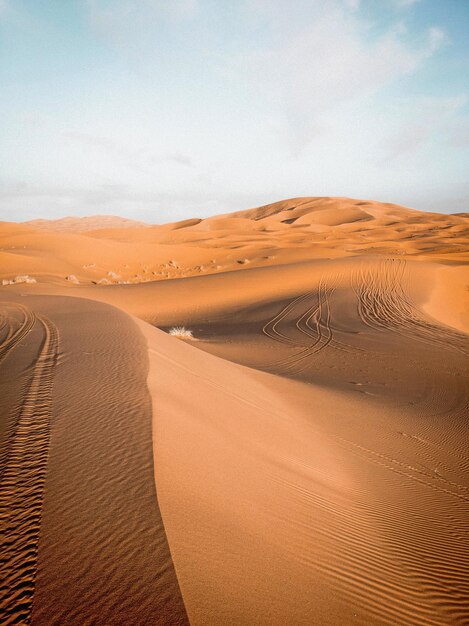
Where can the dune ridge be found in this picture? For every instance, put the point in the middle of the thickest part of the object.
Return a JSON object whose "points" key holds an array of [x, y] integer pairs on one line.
{"points": [[86, 543], [293, 230], [23, 478], [314, 520], [297, 456], [80, 224]]}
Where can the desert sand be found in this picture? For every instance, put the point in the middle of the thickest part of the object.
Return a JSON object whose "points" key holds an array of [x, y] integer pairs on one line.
{"points": [[301, 458]]}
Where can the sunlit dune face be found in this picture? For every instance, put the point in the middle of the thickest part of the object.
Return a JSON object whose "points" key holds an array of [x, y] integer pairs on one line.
{"points": [[256, 418], [107, 250]]}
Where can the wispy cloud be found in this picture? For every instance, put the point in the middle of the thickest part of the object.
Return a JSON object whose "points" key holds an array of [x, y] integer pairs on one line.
{"points": [[419, 121], [180, 159], [23, 201], [145, 104], [323, 60], [137, 25], [142, 159], [309, 59]]}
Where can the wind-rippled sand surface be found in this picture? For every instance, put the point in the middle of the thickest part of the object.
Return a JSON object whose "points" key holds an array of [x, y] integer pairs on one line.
{"points": [[310, 461], [85, 542]]}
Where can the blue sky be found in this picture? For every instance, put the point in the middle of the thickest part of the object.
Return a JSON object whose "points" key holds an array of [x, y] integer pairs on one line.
{"points": [[165, 109]]}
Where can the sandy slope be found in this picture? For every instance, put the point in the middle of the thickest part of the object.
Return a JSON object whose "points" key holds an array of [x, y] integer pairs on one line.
{"points": [[342, 498], [309, 446], [85, 539], [293, 503], [82, 224], [293, 230]]}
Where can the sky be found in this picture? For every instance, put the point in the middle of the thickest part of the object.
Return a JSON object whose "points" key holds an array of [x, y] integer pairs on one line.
{"points": [[161, 110]]}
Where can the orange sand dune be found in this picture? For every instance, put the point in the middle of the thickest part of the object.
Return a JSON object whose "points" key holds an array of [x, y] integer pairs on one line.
{"points": [[301, 459], [94, 250], [80, 224], [85, 538]]}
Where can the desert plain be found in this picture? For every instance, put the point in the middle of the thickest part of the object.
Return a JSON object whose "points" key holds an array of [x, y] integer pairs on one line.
{"points": [[258, 418]]}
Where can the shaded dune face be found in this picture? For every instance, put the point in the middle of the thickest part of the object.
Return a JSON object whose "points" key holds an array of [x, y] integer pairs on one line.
{"points": [[299, 457], [365, 307], [347, 470], [24, 461], [85, 539]]}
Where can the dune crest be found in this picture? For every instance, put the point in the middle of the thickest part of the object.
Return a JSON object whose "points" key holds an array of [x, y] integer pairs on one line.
{"points": [[293, 230], [254, 418]]}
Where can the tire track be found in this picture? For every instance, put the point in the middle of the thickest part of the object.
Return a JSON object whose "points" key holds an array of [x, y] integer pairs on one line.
{"points": [[314, 324], [313, 312], [15, 336], [322, 331], [270, 329], [23, 481], [384, 305], [103, 554]]}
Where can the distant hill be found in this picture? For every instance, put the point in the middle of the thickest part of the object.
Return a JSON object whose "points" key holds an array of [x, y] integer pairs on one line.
{"points": [[80, 224], [105, 249]]}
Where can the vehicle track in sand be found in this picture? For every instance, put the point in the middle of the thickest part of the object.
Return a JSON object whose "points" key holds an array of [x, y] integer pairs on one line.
{"points": [[16, 333], [383, 304], [22, 484], [313, 325]]}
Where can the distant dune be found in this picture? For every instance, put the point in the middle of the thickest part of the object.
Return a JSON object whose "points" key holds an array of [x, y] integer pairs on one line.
{"points": [[289, 231], [257, 418], [80, 224]]}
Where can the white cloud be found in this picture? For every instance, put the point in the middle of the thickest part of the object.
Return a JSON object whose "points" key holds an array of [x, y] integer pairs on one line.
{"points": [[23, 201], [352, 4], [417, 122], [140, 158], [458, 134], [324, 60], [131, 22], [310, 58], [436, 36], [212, 106]]}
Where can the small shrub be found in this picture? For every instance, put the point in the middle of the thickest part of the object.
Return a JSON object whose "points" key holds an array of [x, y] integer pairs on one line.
{"points": [[19, 279], [181, 332]]}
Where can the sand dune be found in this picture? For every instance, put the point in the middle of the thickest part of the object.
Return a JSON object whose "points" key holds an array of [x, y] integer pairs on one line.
{"points": [[81, 224], [302, 513], [85, 539], [302, 460], [289, 231]]}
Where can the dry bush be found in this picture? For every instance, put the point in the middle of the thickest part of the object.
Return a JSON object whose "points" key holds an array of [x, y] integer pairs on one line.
{"points": [[181, 332]]}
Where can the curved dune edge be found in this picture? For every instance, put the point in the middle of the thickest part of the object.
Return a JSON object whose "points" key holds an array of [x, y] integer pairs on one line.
{"points": [[90, 547], [333, 492], [316, 502], [449, 299], [23, 473]]}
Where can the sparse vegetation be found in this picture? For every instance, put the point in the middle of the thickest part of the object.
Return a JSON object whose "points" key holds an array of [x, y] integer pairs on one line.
{"points": [[181, 332], [19, 279]]}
